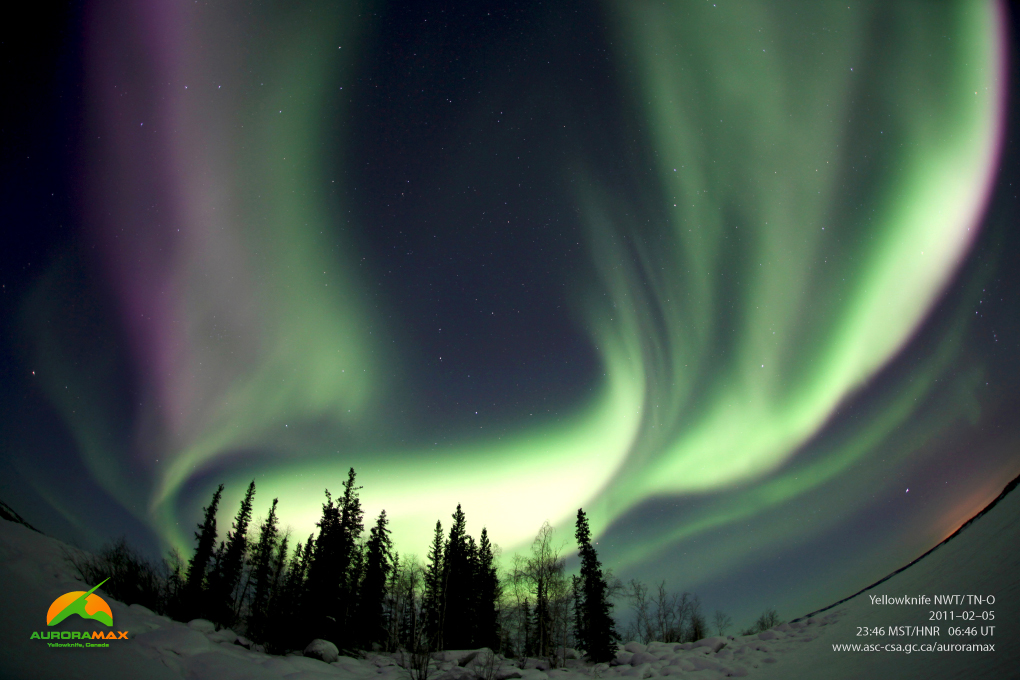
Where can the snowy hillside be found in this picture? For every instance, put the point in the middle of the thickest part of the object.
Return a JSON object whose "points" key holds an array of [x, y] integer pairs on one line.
{"points": [[983, 559]]}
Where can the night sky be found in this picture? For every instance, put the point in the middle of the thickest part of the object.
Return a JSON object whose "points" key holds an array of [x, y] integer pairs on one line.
{"points": [[739, 278]]}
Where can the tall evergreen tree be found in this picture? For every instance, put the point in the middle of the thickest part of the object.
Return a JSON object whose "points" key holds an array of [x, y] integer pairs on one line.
{"points": [[230, 562], [433, 596], [457, 585], [351, 557], [275, 608], [394, 604], [378, 562], [322, 589], [469, 611], [279, 568], [198, 567], [598, 631], [487, 595], [289, 611], [329, 585], [576, 590], [262, 574]]}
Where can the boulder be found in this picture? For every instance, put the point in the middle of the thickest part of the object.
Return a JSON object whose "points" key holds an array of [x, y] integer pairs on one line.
{"points": [[642, 657], [713, 643], [202, 625], [223, 635], [323, 650], [456, 673], [457, 657], [478, 656]]}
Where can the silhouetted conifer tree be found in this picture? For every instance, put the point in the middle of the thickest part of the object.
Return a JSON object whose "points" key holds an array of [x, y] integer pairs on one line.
{"points": [[214, 574], [487, 594], [198, 567], [576, 590], [274, 632], [393, 604], [322, 593], [330, 586], [457, 585], [470, 608], [289, 611], [352, 558], [598, 632], [433, 597], [279, 568], [229, 563], [371, 626], [262, 575]]}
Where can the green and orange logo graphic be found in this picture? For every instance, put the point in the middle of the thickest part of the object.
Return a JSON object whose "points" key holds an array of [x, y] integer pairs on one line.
{"points": [[87, 605]]}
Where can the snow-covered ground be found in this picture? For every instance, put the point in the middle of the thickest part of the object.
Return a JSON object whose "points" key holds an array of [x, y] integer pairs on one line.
{"points": [[984, 559]]}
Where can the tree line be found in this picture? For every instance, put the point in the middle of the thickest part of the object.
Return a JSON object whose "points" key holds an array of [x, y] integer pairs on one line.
{"points": [[355, 590]]}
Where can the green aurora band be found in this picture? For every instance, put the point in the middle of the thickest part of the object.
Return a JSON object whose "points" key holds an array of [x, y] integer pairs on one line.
{"points": [[817, 184]]}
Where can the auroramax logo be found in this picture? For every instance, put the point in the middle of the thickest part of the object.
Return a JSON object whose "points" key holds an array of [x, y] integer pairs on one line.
{"points": [[87, 605]]}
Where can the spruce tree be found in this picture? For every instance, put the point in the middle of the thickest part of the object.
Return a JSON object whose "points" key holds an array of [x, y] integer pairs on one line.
{"points": [[230, 562], [378, 562], [198, 567], [279, 568], [457, 585], [275, 608], [214, 574], [289, 611], [322, 586], [351, 555], [394, 604], [487, 594], [598, 632], [433, 597], [469, 607], [262, 574], [330, 587], [576, 590]]}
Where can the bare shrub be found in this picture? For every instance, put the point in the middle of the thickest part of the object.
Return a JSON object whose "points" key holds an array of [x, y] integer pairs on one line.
{"points": [[722, 622], [768, 619], [132, 578], [664, 616], [490, 666], [417, 660]]}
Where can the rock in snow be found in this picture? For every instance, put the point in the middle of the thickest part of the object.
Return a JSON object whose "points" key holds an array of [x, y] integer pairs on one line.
{"points": [[202, 625], [323, 650]]}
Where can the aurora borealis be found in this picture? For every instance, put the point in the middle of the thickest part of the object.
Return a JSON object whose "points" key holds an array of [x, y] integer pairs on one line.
{"points": [[731, 276]]}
